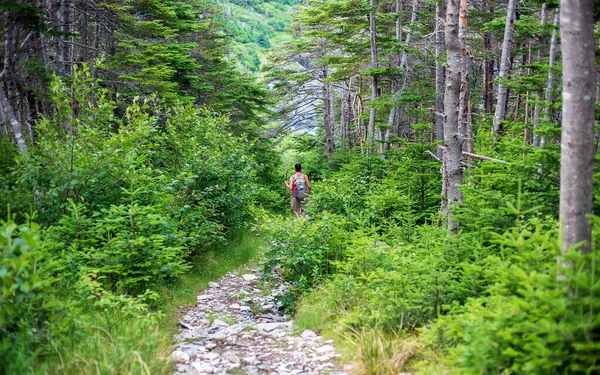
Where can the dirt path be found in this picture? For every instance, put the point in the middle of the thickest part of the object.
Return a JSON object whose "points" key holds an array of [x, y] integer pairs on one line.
{"points": [[238, 327]]}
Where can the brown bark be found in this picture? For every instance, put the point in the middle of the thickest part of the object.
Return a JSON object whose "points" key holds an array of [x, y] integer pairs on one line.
{"points": [[465, 74], [439, 75], [488, 65], [537, 109], [327, 116], [373, 42]]}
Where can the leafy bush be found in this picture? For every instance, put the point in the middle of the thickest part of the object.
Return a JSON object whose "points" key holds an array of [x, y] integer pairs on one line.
{"points": [[531, 321], [24, 285], [302, 251]]}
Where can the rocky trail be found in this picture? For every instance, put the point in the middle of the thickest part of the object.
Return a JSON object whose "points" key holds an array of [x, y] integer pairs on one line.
{"points": [[239, 327]]}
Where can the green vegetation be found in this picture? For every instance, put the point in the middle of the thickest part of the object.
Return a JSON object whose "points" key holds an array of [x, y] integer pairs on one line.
{"points": [[256, 26], [128, 222], [372, 269], [136, 165]]}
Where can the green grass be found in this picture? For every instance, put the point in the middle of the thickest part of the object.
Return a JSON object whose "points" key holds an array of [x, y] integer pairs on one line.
{"points": [[114, 343]]}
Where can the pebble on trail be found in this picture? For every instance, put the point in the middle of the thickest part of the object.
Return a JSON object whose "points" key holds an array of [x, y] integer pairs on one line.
{"points": [[235, 328]]}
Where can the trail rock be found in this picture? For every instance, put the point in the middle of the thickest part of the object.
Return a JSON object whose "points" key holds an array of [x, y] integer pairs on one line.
{"points": [[249, 277], [260, 340], [203, 368], [219, 323]]}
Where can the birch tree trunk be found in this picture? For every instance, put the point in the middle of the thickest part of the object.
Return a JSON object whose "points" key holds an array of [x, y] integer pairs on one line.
{"points": [[453, 151], [577, 143], [439, 75], [10, 115], [373, 39], [500, 113], [550, 83]]}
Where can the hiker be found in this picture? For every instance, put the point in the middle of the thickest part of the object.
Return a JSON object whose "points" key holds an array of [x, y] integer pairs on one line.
{"points": [[300, 188]]}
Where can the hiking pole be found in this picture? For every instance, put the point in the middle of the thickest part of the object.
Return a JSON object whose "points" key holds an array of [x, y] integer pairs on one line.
{"points": [[285, 192]]}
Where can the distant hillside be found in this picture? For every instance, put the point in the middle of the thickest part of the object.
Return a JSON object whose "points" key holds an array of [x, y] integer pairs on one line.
{"points": [[255, 26]]}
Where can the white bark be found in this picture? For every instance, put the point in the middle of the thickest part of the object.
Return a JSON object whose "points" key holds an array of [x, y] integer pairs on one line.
{"points": [[500, 113], [577, 143], [9, 113], [453, 150]]}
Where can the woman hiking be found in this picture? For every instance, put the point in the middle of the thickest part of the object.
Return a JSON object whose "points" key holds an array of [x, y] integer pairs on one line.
{"points": [[300, 188]]}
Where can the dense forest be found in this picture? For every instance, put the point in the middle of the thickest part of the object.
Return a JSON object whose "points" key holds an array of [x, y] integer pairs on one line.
{"points": [[453, 219]]}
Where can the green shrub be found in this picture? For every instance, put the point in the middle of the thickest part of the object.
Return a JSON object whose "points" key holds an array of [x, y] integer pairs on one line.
{"points": [[24, 285], [530, 321]]}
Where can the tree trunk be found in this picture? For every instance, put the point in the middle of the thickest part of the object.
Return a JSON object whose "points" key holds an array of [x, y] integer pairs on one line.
{"points": [[373, 39], [327, 116], [453, 150], [537, 109], [577, 144], [500, 113], [465, 71], [550, 83], [488, 65], [439, 75], [57, 25], [66, 38], [10, 115], [395, 62]]}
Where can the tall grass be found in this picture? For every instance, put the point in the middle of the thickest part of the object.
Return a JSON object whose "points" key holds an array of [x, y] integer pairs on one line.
{"points": [[109, 343]]}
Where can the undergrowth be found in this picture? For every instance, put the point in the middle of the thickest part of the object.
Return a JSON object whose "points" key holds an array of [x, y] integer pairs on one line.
{"points": [[373, 268]]}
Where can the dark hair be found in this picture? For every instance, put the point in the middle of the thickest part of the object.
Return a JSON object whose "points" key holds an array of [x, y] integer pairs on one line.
{"points": [[298, 167]]}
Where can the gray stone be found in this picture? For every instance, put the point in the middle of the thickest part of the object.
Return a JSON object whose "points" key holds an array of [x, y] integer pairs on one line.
{"points": [[211, 356], [231, 357], [309, 335], [219, 323], [212, 284], [326, 349], [249, 277], [203, 368], [180, 356]]}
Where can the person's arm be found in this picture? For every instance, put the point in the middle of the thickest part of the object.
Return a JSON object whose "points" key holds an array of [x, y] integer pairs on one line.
{"points": [[290, 184], [307, 183]]}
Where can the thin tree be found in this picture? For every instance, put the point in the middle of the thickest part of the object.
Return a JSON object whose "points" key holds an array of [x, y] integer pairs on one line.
{"points": [[500, 113], [439, 74], [577, 143], [537, 109], [464, 113], [373, 41], [453, 172], [550, 82]]}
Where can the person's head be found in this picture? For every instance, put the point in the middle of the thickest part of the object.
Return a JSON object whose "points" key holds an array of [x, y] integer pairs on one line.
{"points": [[298, 167]]}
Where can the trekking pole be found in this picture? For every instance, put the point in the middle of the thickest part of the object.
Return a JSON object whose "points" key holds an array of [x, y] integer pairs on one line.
{"points": [[285, 192]]}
